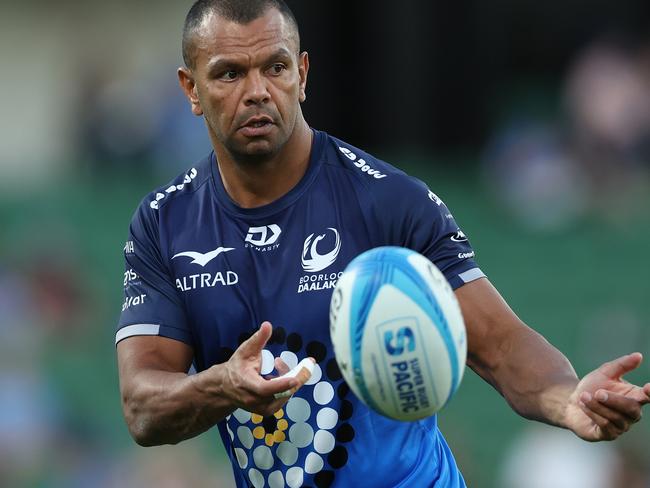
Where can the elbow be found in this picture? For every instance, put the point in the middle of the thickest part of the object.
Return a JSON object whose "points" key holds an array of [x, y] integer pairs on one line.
{"points": [[141, 434], [141, 424]]}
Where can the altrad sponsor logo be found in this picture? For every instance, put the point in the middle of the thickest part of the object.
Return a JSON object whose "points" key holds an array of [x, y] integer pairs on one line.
{"points": [[205, 280], [203, 258]]}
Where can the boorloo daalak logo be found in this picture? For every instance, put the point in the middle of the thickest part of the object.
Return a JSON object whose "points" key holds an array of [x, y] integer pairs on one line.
{"points": [[304, 439], [312, 260]]}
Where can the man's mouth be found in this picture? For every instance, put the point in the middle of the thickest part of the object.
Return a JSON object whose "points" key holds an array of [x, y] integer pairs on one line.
{"points": [[257, 126]]}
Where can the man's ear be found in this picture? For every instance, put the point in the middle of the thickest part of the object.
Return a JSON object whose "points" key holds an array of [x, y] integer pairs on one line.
{"points": [[303, 70], [188, 84]]}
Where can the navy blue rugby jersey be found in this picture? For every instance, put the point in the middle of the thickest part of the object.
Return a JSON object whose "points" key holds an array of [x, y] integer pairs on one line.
{"points": [[202, 270]]}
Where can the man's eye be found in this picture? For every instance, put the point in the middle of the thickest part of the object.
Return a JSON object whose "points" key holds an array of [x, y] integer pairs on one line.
{"points": [[277, 68], [229, 75]]}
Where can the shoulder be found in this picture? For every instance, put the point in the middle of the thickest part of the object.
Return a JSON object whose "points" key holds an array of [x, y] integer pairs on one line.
{"points": [[381, 179], [186, 184]]}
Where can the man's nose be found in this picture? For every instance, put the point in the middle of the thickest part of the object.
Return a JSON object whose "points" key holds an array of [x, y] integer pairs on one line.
{"points": [[256, 89]]}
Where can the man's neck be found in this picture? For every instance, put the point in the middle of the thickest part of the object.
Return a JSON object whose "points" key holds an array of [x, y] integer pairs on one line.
{"points": [[254, 185]]}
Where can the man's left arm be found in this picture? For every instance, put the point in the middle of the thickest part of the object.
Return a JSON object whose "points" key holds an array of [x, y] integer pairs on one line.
{"points": [[537, 380]]}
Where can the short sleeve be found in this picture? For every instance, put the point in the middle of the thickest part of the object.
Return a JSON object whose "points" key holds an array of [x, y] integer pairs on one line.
{"points": [[421, 221], [151, 303]]}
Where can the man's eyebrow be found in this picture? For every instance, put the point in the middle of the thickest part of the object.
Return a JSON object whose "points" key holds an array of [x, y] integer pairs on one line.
{"points": [[225, 62]]}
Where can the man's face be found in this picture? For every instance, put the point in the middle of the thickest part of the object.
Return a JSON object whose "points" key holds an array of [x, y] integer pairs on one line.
{"points": [[248, 82]]}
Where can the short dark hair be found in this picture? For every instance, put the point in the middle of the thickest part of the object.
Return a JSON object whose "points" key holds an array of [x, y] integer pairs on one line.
{"points": [[239, 11]]}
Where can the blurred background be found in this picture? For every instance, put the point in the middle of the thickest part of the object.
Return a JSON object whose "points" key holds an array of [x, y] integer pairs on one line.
{"points": [[530, 119]]}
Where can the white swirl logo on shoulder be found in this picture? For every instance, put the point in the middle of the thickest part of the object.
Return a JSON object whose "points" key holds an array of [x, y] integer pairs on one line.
{"points": [[312, 260]]}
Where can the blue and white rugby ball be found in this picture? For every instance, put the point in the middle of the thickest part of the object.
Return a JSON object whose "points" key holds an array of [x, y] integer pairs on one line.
{"points": [[398, 333]]}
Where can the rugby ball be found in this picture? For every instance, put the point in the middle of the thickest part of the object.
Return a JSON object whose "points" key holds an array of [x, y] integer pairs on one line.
{"points": [[398, 333]]}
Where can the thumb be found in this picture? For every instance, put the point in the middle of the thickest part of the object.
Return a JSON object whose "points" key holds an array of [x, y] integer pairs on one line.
{"points": [[623, 365], [254, 344]]}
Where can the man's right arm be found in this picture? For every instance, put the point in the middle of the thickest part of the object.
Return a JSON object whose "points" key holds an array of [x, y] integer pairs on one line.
{"points": [[162, 404]]}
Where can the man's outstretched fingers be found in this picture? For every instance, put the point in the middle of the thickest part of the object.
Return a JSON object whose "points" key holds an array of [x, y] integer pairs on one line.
{"points": [[604, 404], [646, 390], [608, 430], [626, 406], [621, 366], [254, 344]]}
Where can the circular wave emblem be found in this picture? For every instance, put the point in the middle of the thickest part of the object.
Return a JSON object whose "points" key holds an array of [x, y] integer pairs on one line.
{"points": [[312, 261]]}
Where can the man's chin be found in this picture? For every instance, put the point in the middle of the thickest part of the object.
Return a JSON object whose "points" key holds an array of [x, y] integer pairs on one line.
{"points": [[254, 151]]}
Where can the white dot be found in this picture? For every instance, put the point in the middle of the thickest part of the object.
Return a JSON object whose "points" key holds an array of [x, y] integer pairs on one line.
{"points": [[263, 457], [324, 442], [228, 417], [256, 478], [290, 358], [246, 436], [316, 375], [232, 436], [295, 477], [313, 463], [242, 415], [301, 434], [276, 480], [267, 362], [288, 453], [298, 409], [323, 393], [326, 418], [242, 458]]}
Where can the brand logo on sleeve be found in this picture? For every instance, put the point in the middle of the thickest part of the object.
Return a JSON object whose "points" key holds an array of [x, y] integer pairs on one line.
{"points": [[129, 248], [459, 236], [173, 188], [361, 164], [133, 301], [129, 276], [435, 198], [263, 238], [203, 258]]}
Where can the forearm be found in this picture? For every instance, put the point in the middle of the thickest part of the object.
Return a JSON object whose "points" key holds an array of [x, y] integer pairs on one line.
{"points": [[165, 408], [533, 376]]}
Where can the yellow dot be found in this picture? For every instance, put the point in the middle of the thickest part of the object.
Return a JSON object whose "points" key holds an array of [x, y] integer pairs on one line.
{"points": [[257, 419], [283, 424], [258, 432], [279, 436], [279, 414], [269, 440]]}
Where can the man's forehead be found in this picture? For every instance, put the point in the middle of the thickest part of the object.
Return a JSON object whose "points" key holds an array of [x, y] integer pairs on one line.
{"points": [[217, 35]]}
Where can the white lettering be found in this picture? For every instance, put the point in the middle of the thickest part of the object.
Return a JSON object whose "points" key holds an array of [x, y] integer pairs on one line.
{"points": [[133, 301], [466, 255], [159, 196], [207, 280], [129, 275], [349, 154]]}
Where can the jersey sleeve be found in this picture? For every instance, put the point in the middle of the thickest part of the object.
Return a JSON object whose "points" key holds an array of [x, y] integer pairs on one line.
{"points": [[420, 220], [151, 304]]}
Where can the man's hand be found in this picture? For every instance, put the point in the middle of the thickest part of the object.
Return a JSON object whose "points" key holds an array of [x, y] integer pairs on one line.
{"points": [[244, 385], [603, 406]]}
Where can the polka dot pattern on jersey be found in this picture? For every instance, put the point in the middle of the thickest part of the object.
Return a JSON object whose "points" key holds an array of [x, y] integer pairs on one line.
{"points": [[305, 440]]}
